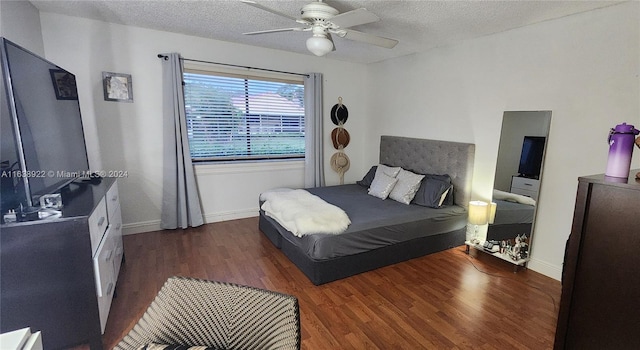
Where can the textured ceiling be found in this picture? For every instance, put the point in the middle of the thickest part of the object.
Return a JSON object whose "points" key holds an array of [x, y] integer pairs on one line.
{"points": [[418, 25]]}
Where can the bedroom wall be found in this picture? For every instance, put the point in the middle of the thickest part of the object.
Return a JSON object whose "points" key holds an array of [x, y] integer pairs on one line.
{"points": [[128, 135], [584, 68], [20, 23]]}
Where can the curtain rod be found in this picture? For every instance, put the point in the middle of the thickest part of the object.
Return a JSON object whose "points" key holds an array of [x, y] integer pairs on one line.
{"points": [[234, 65]]}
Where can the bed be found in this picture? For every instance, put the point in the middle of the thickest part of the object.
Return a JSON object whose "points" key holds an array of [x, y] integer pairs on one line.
{"points": [[384, 232], [512, 219]]}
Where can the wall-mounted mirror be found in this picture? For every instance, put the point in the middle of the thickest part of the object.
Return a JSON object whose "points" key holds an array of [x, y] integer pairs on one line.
{"points": [[519, 173]]}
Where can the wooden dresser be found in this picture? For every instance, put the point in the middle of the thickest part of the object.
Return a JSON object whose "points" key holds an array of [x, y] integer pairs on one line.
{"points": [[600, 304]]}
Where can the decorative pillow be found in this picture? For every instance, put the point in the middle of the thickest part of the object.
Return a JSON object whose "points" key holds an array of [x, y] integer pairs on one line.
{"points": [[368, 178], [448, 199], [390, 171], [152, 346], [382, 185], [406, 187], [432, 192]]}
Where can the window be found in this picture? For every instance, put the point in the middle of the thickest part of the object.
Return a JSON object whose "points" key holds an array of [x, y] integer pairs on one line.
{"points": [[234, 117]]}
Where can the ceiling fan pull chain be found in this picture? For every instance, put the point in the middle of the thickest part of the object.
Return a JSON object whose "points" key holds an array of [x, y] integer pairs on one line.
{"points": [[340, 101]]}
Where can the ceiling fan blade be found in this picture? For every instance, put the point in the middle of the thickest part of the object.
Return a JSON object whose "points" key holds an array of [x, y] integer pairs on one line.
{"points": [[354, 18], [368, 38], [268, 9], [277, 31]]}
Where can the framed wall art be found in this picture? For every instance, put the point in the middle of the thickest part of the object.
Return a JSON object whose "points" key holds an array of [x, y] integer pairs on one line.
{"points": [[64, 84], [117, 87]]}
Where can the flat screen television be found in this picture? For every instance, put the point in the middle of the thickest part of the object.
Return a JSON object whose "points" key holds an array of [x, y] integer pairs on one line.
{"points": [[531, 156], [43, 144]]}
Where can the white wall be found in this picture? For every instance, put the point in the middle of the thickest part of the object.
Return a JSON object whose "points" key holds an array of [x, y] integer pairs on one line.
{"points": [[584, 68], [20, 23], [128, 136]]}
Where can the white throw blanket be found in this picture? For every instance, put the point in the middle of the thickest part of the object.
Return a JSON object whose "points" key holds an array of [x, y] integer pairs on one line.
{"points": [[513, 197], [302, 213]]}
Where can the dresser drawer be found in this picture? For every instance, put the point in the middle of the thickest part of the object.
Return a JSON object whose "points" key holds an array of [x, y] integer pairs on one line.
{"points": [[103, 264], [105, 279], [532, 194], [21, 339], [113, 200], [98, 222], [525, 184], [115, 225]]}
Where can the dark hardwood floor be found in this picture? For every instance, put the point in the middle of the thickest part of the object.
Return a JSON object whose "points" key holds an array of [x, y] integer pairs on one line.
{"points": [[447, 300]]}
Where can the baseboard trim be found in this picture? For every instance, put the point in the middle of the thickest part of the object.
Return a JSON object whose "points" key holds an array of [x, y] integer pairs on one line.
{"points": [[154, 225], [230, 215], [545, 268], [141, 227]]}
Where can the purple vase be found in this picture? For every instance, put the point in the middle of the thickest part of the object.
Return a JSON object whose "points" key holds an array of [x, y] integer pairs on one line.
{"points": [[621, 141]]}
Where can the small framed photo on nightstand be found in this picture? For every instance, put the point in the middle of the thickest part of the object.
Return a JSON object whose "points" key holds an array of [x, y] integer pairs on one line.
{"points": [[117, 87]]}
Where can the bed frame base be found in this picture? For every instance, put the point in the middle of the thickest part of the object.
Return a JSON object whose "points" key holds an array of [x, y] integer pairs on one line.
{"points": [[325, 271]]}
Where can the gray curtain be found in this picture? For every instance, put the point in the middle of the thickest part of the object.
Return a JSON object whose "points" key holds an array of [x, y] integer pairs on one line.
{"points": [[180, 199], [314, 159]]}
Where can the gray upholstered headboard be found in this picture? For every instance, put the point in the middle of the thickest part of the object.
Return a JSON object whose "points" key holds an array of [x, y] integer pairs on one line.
{"points": [[433, 157]]}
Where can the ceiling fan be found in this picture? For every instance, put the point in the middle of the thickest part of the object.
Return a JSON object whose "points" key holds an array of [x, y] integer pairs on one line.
{"points": [[323, 20]]}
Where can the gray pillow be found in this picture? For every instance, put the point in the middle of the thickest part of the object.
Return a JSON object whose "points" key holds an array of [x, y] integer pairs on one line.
{"points": [[431, 190], [368, 178], [449, 198]]}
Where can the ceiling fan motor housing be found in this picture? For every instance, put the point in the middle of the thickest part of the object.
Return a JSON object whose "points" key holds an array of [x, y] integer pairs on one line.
{"points": [[318, 11]]}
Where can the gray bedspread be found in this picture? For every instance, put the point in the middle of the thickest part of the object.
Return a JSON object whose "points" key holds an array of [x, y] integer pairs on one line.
{"points": [[513, 213], [375, 223]]}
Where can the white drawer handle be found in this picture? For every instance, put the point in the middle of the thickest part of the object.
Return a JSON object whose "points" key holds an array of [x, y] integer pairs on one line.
{"points": [[114, 198], [101, 221], [528, 184], [109, 255]]}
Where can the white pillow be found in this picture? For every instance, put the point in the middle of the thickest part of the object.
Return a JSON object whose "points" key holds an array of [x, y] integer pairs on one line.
{"points": [[513, 197], [382, 185], [444, 196], [390, 171], [406, 187]]}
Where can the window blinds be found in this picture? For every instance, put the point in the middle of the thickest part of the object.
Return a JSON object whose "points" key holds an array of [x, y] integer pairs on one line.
{"points": [[233, 117]]}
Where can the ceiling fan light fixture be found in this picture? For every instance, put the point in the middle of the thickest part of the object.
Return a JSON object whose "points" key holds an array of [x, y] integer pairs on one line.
{"points": [[319, 45]]}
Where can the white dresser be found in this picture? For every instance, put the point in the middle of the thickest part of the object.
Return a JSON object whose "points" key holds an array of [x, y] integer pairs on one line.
{"points": [[21, 339], [525, 186], [105, 227]]}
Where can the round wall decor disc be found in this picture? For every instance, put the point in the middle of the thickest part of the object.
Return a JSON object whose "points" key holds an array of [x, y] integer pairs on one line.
{"points": [[340, 162], [339, 114], [340, 138]]}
